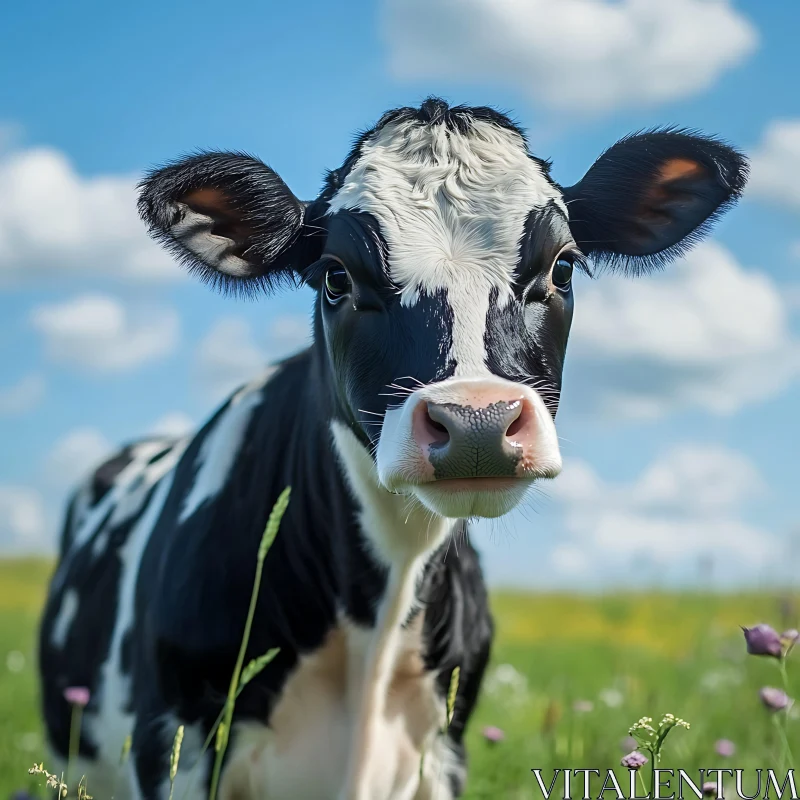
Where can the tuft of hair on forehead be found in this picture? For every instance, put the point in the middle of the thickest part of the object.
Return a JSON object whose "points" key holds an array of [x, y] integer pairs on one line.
{"points": [[434, 111], [451, 190]]}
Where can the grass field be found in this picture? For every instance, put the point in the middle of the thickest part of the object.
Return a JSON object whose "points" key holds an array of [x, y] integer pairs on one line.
{"points": [[584, 669]]}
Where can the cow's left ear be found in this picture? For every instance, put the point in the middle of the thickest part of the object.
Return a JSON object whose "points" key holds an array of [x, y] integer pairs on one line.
{"points": [[229, 218], [651, 196]]}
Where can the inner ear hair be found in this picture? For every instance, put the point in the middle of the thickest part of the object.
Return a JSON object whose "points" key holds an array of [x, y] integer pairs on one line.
{"points": [[228, 221], [228, 218]]}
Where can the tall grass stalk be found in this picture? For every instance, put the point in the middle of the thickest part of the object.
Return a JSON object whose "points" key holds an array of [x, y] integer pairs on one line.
{"points": [[782, 720], [223, 731], [74, 739], [174, 759]]}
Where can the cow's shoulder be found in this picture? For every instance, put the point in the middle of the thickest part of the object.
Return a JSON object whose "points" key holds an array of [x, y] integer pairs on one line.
{"points": [[199, 565]]}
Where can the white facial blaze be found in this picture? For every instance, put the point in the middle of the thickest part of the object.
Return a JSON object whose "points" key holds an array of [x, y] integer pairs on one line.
{"points": [[452, 208]]}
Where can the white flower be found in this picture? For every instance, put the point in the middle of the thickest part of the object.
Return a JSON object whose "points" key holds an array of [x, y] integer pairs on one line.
{"points": [[611, 697]]}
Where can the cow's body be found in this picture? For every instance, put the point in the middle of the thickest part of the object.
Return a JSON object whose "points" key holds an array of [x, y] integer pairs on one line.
{"points": [[442, 255], [148, 606]]}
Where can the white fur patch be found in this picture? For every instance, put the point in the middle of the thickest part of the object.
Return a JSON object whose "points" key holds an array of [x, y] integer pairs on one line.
{"points": [[452, 208], [123, 500], [403, 534], [193, 230], [221, 446], [397, 527], [316, 747], [65, 617], [112, 721]]}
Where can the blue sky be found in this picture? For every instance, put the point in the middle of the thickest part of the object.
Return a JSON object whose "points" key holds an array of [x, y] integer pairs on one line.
{"points": [[679, 415]]}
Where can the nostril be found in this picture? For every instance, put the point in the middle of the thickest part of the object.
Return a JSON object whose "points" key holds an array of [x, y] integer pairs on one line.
{"points": [[436, 430], [519, 422], [437, 426]]}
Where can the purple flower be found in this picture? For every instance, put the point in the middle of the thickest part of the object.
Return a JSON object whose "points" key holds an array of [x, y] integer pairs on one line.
{"points": [[22, 795], [725, 748], [493, 735], [77, 696], [763, 640], [634, 760], [774, 699], [710, 788]]}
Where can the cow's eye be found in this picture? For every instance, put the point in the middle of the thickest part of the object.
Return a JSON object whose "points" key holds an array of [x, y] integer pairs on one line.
{"points": [[562, 273], [337, 283]]}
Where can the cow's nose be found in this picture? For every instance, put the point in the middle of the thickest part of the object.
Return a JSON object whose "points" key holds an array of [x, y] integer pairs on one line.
{"points": [[466, 442]]}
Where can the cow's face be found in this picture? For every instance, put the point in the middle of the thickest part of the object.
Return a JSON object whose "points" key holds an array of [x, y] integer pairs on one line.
{"points": [[443, 256]]}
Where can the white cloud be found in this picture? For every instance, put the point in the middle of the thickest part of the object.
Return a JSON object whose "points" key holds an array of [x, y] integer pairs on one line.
{"points": [[22, 520], [98, 333], [573, 55], [686, 506], [231, 354], [775, 164], [704, 334], [56, 223], [173, 423], [75, 454], [289, 332], [228, 356], [23, 395]]}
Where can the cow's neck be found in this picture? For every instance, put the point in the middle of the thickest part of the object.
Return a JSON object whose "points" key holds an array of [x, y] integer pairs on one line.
{"points": [[404, 535]]}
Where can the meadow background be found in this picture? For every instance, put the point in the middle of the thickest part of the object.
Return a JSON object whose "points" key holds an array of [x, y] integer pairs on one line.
{"points": [[569, 675], [677, 516]]}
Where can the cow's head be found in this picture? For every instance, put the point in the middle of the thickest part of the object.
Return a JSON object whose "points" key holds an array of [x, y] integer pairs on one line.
{"points": [[443, 254]]}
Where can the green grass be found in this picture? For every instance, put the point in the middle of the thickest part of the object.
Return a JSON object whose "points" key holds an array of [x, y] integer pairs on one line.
{"points": [[659, 652]]}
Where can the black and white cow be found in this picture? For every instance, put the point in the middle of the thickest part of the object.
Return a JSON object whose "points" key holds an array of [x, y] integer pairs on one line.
{"points": [[442, 253]]}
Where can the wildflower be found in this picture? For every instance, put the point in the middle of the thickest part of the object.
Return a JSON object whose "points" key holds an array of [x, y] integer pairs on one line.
{"points": [[634, 760], [628, 744], [22, 795], [774, 699], [77, 696], [15, 661], [671, 721], [493, 735], [763, 640], [710, 789], [29, 742], [611, 697], [582, 706], [642, 725], [505, 678], [725, 748]]}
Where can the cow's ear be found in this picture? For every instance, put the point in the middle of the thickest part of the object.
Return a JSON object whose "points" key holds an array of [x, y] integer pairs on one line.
{"points": [[651, 196], [228, 217]]}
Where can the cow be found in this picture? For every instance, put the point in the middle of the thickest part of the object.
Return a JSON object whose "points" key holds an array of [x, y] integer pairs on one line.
{"points": [[442, 253]]}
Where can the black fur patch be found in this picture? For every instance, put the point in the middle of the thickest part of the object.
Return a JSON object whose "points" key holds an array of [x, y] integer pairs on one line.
{"points": [[627, 221], [265, 219]]}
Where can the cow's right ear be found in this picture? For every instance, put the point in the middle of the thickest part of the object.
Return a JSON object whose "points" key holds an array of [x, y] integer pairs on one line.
{"points": [[229, 218]]}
